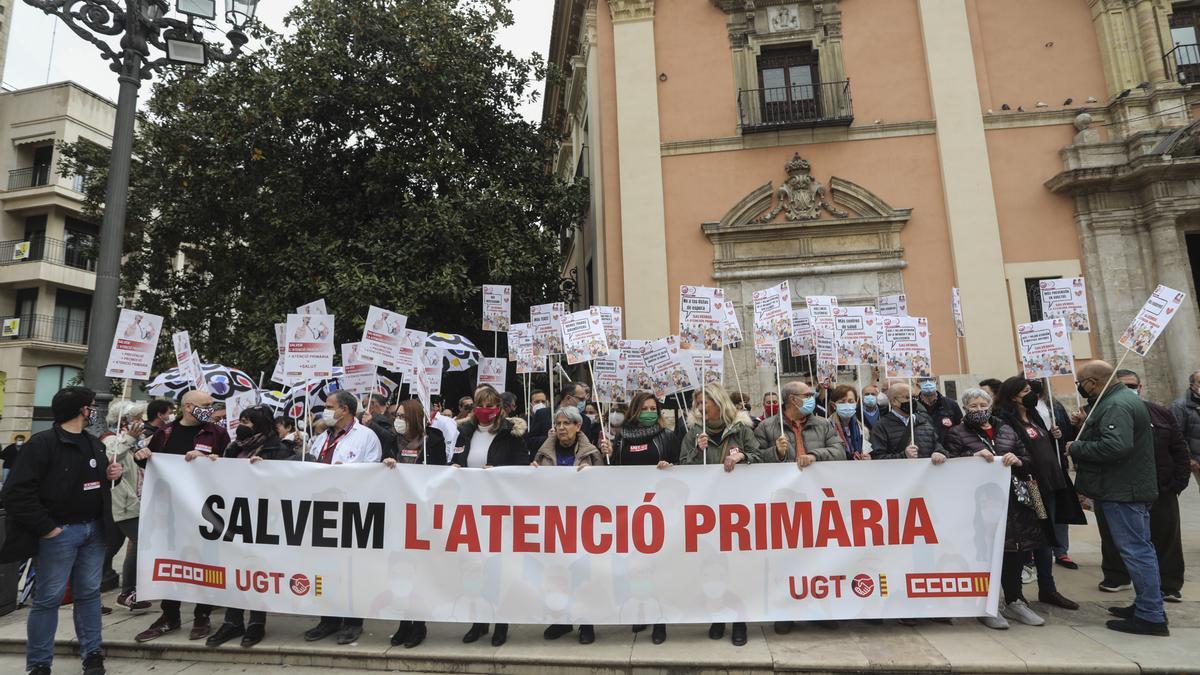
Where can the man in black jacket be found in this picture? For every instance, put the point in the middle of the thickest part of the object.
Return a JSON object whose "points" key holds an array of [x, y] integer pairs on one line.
{"points": [[1171, 462], [904, 433], [56, 500], [943, 412]]}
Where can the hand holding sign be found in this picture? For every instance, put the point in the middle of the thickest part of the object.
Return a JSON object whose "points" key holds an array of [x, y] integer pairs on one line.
{"points": [[115, 471]]}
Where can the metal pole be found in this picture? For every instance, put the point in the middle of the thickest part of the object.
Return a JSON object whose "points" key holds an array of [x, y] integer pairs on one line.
{"points": [[112, 235]]}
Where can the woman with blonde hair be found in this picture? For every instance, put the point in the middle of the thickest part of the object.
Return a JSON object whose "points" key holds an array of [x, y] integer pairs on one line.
{"points": [[719, 434]]}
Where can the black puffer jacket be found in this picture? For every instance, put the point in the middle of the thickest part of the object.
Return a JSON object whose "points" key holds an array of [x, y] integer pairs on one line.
{"points": [[1170, 450], [1187, 414], [507, 449], [943, 412], [645, 446], [434, 443], [891, 436], [1024, 530]]}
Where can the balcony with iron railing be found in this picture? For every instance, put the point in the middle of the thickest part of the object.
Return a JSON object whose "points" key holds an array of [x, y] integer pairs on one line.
{"points": [[1183, 62], [44, 249], [795, 107], [38, 176], [43, 328]]}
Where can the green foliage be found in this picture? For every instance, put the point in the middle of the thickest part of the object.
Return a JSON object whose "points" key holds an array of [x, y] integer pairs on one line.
{"points": [[373, 156]]}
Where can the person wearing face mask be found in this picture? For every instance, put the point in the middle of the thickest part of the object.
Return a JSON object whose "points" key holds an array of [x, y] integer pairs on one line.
{"points": [[592, 413], [943, 412], [1114, 465], [344, 441], [377, 419], [1052, 416], [1172, 470], [256, 439], [126, 417], [9, 453], [720, 435], [770, 408], [537, 400], [905, 433], [798, 434], [193, 435], [616, 418], [1016, 407], [572, 394], [985, 436], [486, 440], [285, 428], [846, 423], [1187, 414], [873, 406]]}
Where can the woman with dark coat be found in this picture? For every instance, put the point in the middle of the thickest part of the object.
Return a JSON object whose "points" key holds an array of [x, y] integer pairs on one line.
{"points": [[416, 443], [985, 436], [256, 439], [487, 439], [644, 440], [1016, 405]]}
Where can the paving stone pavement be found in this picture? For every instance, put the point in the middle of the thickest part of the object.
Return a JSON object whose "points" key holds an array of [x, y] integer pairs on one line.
{"points": [[1070, 642]]}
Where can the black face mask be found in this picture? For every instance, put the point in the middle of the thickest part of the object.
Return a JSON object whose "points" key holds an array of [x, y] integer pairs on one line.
{"points": [[1082, 392], [906, 407], [1029, 400], [243, 432]]}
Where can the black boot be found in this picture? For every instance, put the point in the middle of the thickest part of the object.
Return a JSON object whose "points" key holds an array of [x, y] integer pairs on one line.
{"points": [[255, 633], [477, 631], [739, 634], [659, 634], [716, 631], [224, 634], [557, 630], [415, 636], [587, 634], [401, 634], [501, 635]]}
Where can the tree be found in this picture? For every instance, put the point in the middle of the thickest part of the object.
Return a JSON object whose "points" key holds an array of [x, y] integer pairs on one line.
{"points": [[374, 156]]}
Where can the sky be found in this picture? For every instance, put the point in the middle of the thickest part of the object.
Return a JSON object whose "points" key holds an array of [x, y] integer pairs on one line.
{"points": [[38, 53]]}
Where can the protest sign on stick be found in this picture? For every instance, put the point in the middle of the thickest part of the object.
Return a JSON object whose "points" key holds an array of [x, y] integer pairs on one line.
{"points": [[583, 336], [309, 350], [893, 305], [906, 347], [134, 344], [613, 322], [497, 308], [1045, 349], [1066, 299], [802, 342], [358, 375], [187, 361], [702, 315], [381, 337], [492, 371]]}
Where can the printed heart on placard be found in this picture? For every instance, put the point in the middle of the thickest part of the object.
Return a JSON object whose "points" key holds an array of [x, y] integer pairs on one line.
{"points": [[870, 322], [1078, 292], [1058, 333], [595, 322], [717, 305], [922, 333], [1170, 309]]}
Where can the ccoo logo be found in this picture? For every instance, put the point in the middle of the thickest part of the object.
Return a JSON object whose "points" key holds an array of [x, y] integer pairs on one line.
{"points": [[300, 584], [863, 585]]}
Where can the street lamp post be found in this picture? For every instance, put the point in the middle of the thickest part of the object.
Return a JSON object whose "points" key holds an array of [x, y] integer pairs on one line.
{"points": [[141, 25]]}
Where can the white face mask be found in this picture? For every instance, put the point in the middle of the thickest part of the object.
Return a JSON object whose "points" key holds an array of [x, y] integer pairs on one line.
{"points": [[616, 419], [401, 426], [327, 416], [538, 406], [592, 418]]}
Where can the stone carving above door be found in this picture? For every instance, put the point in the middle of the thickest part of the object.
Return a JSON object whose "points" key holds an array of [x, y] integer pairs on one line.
{"points": [[801, 196]]}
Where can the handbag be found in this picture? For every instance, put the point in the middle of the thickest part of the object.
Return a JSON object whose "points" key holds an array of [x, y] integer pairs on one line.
{"points": [[1029, 495]]}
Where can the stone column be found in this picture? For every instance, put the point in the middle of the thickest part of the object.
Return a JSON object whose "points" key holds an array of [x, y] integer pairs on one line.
{"points": [[1151, 47], [1182, 336], [590, 55], [643, 220]]}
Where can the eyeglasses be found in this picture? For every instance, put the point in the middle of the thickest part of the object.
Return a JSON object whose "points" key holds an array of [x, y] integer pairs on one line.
{"points": [[561, 425]]}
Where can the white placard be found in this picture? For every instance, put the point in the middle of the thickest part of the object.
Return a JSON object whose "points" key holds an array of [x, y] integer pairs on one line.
{"points": [[583, 336], [702, 314], [906, 347], [134, 344], [614, 328], [492, 371], [1045, 349], [381, 337], [186, 360], [773, 312], [309, 351], [497, 307], [893, 305], [1152, 319], [1066, 299], [358, 375], [858, 334], [547, 327]]}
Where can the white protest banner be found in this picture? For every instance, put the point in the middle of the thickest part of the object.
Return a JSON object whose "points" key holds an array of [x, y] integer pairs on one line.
{"points": [[893, 305], [314, 307], [1045, 349], [960, 328], [431, 370], [186, 360], [492, 371], [773, 313], [802, 342], [820, 308], [731, 330], [765, 349], [234, 405], [620, 544], [497, 307], [547, 327], [906, 347], [358, 376], [583, 336], [636, 377], [133, 347], [1066, 299], [826, 349], [610, 378], [309, 350], [613, 320], [518, 334], [707, 365], [408, 356], [857, 336], [381, 337], [1150, 321], [701, 314]]}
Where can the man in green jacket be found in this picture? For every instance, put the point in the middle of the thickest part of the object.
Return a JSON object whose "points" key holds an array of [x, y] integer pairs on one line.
{"points": [[1114, 464], [818, 441]]}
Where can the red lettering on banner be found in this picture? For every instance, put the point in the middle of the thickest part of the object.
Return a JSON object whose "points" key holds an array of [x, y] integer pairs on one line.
{"points": [[561, 532], [183, 572], [831, 526], [495, 514], [786, 529], [698, 519], [918, 524], [948, 584], [463, 531], [522, 529], [595, 542], [760, 527], [622, 534], [865, 515], [734, 521], [411, 541]]}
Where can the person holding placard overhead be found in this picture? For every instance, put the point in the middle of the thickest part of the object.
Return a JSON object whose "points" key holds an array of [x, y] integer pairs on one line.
{"points": [[903, 432], [485, 440], [720, 435]]}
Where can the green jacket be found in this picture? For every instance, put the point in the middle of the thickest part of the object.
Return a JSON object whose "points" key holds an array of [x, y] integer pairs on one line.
{"points": [[1114, 456], [821, 440], [738, 435]]}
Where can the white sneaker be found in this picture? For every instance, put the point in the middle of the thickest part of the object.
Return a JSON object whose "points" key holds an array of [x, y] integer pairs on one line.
{"points": [[1021, 613], [995, 622], [1028, 574]]}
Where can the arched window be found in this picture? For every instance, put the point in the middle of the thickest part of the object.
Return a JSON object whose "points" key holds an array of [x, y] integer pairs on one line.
{"points": [[49, 380]]}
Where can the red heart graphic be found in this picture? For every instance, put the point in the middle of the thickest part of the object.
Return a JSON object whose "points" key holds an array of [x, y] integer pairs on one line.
{"points": [[922, 333], [1170, 309], [717, 305], [1058, 333], [1078, 292]]}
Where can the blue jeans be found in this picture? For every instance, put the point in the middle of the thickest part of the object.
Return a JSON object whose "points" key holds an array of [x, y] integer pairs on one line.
{"points": [[76, 555], [1129, 525]]}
